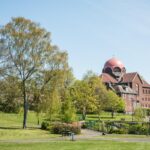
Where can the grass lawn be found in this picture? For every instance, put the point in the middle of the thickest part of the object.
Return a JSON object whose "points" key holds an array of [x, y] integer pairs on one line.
{"points": [[107, 116], [15, 120], [11, 127], [76, 145], [15, 134]]}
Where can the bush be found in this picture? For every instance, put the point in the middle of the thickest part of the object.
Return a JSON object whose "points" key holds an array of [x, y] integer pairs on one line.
{"points": [[84, 126], [58, 128], [138, 129], [44, 125], [117, 127], [118, 131]]}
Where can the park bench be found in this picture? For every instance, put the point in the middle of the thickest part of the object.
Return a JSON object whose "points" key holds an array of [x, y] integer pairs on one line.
{"points": [[66, 133], [69, 133]]}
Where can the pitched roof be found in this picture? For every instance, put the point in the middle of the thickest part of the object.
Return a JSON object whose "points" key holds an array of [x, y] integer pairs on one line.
{"points": [[128, 77], [107, 78]]}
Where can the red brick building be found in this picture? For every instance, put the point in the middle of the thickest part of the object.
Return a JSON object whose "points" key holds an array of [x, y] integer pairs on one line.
{"points": [[130, 86]]}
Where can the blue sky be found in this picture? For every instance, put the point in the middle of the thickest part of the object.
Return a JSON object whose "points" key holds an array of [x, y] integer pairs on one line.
{"points": [[92, 31]]}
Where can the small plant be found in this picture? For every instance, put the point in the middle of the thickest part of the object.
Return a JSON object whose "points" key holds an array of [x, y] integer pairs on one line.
{"points": [[44, 125]]}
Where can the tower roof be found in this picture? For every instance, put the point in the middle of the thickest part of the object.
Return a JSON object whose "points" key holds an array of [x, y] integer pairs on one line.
{"points": [[114, 62]]}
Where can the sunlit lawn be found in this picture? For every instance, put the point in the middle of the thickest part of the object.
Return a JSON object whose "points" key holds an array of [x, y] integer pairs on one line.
{"points": [[11, 129], [76, 145], [107, 116], [15, 120], [17, 134]]}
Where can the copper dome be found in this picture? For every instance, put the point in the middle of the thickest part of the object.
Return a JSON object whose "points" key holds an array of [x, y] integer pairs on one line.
{"points": [[114, 62]]}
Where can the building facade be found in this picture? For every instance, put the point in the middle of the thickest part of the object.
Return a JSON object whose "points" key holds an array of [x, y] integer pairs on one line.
{"points": [[130, 86]]}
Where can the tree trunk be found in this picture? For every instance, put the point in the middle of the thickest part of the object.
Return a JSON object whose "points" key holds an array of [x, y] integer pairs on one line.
{"points": [[25, 106], [38, 121], [84, 113], [112, 114]]}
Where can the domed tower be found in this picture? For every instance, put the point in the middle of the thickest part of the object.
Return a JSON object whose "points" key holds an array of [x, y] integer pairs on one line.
{"points": [[115, 68]]}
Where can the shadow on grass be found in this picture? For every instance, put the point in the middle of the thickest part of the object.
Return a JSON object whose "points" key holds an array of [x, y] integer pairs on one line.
{"points": [[16, 128]]}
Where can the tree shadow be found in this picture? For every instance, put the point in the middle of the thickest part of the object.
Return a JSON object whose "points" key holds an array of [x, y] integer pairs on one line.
{"points": [[16, 128]]}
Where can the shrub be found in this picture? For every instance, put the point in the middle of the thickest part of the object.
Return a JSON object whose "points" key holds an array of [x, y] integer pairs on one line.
{"points": [[117, 127], [58, 128], [118, 131], [138, 129], [44, 125], [84, 126]]}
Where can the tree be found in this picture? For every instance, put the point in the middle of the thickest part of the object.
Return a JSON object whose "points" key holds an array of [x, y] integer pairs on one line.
{"points": [[27, 52], [99, 92], [83, 97], [139, 114], [89, 74], [68, 110], [115, 103]]}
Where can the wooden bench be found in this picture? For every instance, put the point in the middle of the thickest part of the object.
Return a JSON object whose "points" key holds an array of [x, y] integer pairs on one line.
{"points": [[66, 133]]}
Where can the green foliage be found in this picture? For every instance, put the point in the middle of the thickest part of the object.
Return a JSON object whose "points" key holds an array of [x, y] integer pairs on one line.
{"points": [[139, 114], [138, 129], [59, 128], [44, 125], [82, 97], [115, 103], [29, 56], [10, 97], [68, 109], [118, 131]]}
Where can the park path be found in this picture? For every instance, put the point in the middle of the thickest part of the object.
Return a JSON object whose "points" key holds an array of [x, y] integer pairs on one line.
{"points": [[85, 135]]}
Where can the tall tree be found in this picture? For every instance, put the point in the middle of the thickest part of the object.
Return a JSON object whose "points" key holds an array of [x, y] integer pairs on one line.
{"points": [[68, 111], [83, 97], [115, 103], [99, 92], [26, 52]]}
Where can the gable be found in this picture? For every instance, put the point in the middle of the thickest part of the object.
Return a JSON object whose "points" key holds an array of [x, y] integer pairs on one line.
{"points": [[137, 78]]}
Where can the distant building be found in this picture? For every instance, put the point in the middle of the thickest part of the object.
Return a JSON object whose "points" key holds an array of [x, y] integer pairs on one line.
{"points": [[130, 86]]}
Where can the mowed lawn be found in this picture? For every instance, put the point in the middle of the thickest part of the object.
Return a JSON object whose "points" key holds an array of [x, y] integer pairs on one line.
{"points": [[12, 120], [76, 145], [13, 137], [107, 116]]}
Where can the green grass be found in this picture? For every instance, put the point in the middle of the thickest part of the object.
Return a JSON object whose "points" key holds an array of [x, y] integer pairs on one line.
{"points": [[77, 145], [113, 136], [15, 134], [11, 127], [10, 130], [15, 120], [107, 116]]}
